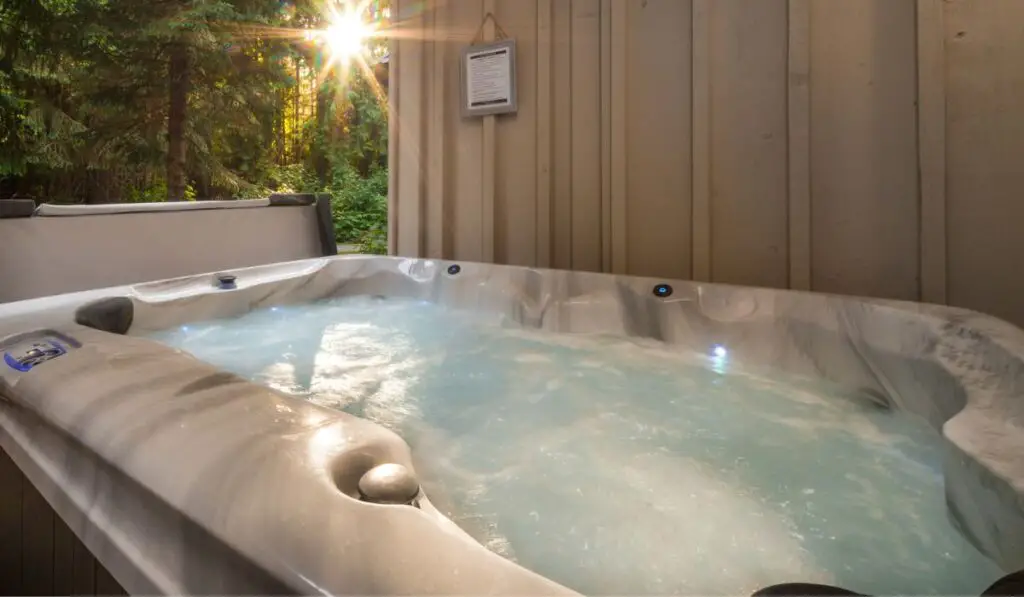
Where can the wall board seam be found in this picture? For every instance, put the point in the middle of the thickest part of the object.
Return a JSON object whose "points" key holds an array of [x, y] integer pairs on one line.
{"points": [[409, 113], [606, 140], [701, 131], [489, 158], [618, 132], [570, 154], [11, 524], [435, 203], [394, 160], [799, 158], [588, 129], [931, 131], [561, 130], [544, 133], [426, 51]]}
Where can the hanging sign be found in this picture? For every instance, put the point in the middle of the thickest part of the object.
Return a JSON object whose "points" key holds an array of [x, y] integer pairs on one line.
{"points": [[489, 76]]}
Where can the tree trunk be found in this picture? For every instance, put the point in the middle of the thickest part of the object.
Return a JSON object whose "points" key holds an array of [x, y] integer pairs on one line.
{"points": [[100, 187], [323, 102], [179, 79], [204, 188]]}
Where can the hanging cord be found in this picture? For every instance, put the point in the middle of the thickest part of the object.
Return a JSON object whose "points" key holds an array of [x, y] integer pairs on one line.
{"points": [[499, 33]]}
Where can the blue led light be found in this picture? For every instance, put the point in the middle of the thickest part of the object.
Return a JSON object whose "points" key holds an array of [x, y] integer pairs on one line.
{"points": [[719, 351], [663, 291], [454, 269], [184, 328]]}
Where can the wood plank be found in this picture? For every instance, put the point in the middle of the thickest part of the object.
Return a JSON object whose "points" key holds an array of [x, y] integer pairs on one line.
{"points": [[106, 584], [619, 166], [749, 154], [516, 202], [63, 558], [702, 81], [658, 145], [436, 195], [37, 520], [394, 164], [83, 570], [606, 135], [931, 130], [11, 482], [544, 132], [487, 192], [561, 153], [799, 121], [411, 67], [464, 143], [487, 183], [586, 135], [984, 143], [865, 213]]}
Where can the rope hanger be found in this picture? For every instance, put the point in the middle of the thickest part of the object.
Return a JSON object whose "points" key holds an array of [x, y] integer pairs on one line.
{"points": [[499, 33]]}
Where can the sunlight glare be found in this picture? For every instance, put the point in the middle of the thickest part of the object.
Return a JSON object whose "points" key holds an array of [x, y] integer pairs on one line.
{"points": [[347, 34]]}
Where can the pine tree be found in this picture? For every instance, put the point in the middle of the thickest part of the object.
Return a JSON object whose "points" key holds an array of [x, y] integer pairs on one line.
{"points": [[143, 100]]}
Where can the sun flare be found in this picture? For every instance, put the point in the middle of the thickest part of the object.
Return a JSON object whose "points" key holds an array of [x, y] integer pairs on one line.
{"points": [[346, 35]]}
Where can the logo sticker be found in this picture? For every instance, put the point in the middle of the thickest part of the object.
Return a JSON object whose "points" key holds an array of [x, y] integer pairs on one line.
{"points": [[25, 357]]}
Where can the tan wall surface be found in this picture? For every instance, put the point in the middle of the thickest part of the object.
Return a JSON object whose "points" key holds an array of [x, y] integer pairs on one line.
{"points": [[42, 256], [855, 146], [985, 153]]}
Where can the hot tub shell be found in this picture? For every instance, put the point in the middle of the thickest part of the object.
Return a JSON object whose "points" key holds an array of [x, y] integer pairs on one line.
{"points": [[185, 479]]}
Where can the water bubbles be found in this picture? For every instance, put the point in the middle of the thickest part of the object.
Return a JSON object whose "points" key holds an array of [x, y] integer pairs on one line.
{"points": [[616, 468]]}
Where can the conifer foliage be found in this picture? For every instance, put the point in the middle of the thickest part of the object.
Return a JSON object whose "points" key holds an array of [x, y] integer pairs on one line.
{"points": [[148, 100]]}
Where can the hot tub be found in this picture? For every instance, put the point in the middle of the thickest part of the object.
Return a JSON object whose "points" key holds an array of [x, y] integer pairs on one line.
{"points": [[188, 475]]}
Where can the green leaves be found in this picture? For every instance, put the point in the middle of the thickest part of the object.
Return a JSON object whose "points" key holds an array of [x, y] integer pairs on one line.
{"points": [[84, 97], [359, 204], [375, 241]]}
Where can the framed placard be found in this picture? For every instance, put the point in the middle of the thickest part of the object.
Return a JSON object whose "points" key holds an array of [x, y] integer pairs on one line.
{"points": [[489, 79]]}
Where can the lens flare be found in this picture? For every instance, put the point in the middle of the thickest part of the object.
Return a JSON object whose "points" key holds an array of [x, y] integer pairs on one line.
{"points": [[352, 37], [346, 35]]}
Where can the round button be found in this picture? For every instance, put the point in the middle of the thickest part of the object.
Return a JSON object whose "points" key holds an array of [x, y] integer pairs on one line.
{"points": [[226, 281], [389, 484], [663, 291]]}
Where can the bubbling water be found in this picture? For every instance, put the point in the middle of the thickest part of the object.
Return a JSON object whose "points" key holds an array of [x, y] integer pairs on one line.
{"points": [[617, 467]]}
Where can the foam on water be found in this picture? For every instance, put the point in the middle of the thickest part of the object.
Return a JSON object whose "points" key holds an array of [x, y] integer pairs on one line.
{"points": [[618, 467]]}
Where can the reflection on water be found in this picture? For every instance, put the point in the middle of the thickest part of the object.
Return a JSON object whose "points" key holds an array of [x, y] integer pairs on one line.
{"points": [[619, 468]]}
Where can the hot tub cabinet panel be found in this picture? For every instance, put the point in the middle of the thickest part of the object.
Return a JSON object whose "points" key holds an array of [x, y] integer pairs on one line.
{"points": [[185, 479], [40, 554]]}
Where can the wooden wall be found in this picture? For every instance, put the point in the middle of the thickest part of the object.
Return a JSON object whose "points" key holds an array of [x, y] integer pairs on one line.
{"points": [[865, 147], [985, 155], [39, 554]]}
